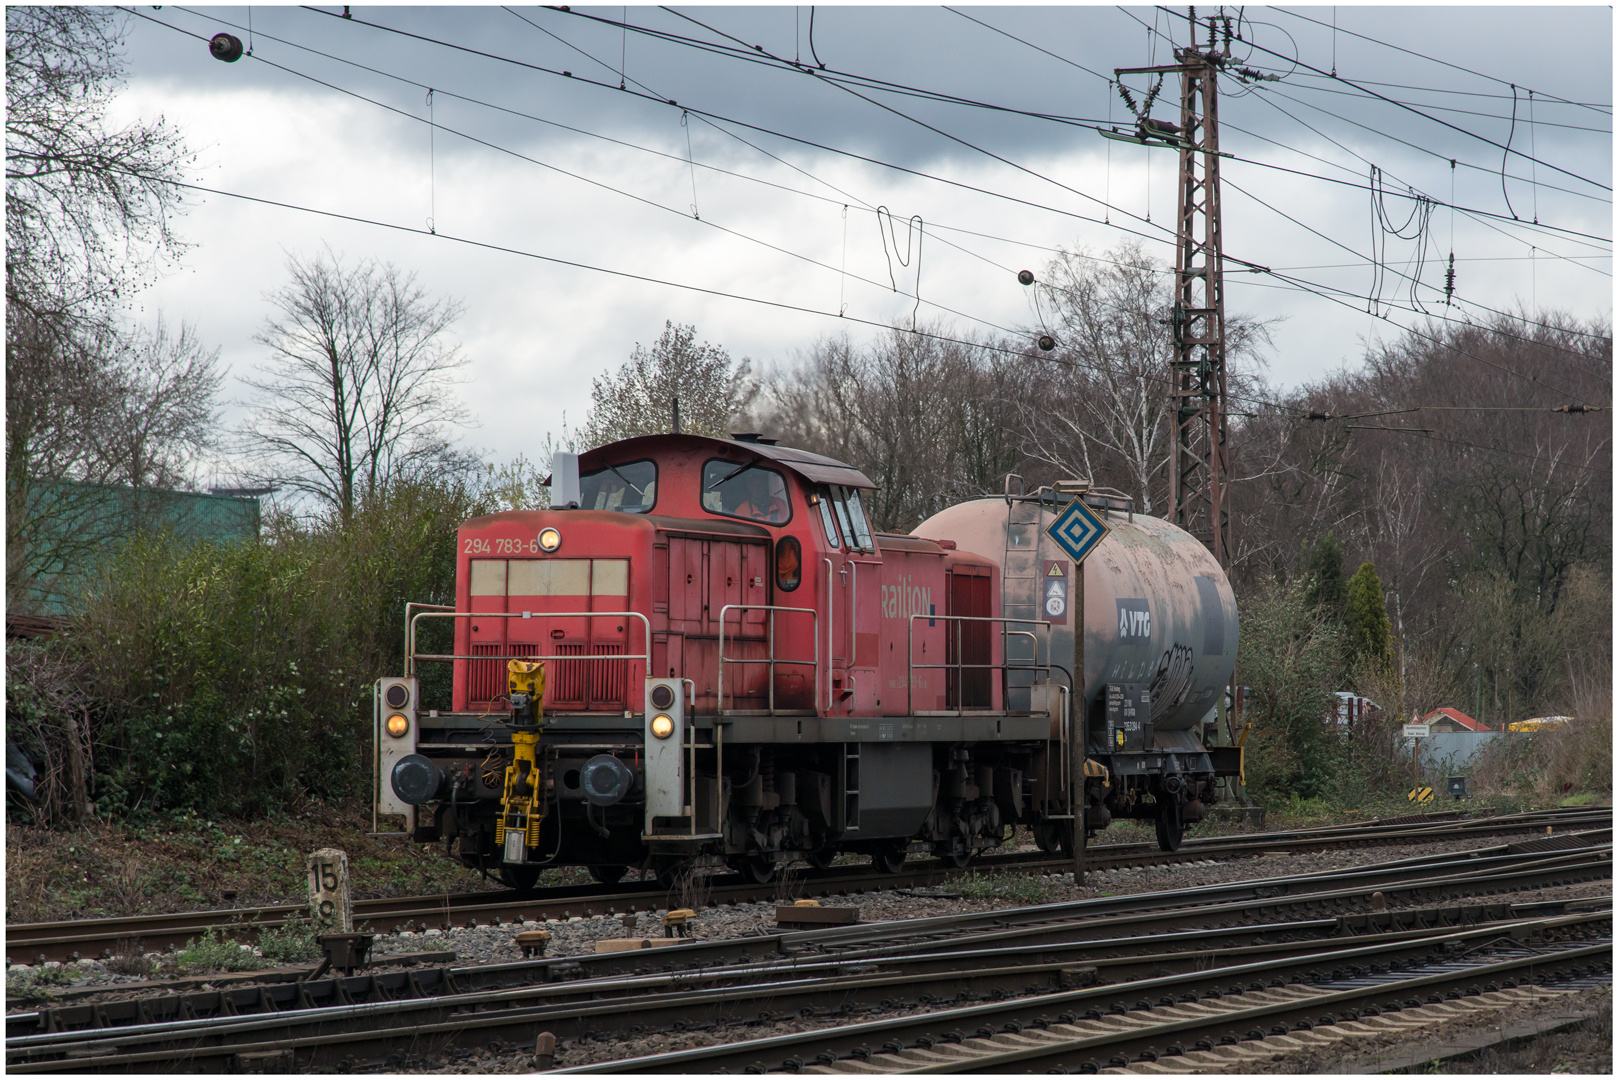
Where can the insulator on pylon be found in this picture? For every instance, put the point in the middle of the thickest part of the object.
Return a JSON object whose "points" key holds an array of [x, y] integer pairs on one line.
{"points": [[1449, 280]]}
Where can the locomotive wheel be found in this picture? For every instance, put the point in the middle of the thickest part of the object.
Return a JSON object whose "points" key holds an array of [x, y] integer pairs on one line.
{"points": [[890, 861], [755, 871], [1170, 826], [820, 859], [521, 878], [608, 875]]}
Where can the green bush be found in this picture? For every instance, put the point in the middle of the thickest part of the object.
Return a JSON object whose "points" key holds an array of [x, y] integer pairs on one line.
{"points": [[1290, 655], [235, 679], [295, 941], [214, 952]]}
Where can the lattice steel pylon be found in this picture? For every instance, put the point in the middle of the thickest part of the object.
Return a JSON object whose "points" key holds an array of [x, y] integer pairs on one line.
{"points": [[1198, 473]]}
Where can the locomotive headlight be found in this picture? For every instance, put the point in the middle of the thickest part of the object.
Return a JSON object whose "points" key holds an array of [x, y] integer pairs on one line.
{"points": [[662, 726], [398, 725], [549, 540]]}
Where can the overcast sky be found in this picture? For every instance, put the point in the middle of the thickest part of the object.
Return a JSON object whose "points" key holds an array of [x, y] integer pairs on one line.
{"points": [[570, 167]]}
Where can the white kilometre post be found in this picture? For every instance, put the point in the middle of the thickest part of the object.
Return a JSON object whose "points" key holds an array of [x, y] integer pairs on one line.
{"points": [[328, 890]]}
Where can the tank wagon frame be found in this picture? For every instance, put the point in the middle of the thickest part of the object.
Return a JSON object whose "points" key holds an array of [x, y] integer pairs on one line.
{"points": [[704, 656]]}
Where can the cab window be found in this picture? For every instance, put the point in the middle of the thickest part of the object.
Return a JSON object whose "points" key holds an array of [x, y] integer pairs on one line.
{"points": [[827, 521], [850, 513], [862, 528], [629, 489], [745, 491]]}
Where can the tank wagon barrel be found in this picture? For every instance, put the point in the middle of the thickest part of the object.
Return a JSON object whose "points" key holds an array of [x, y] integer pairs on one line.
{"points": [[1158, 643]]}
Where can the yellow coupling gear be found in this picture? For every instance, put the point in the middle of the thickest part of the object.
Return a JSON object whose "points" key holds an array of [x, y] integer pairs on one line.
{"points": [[522, 806]]}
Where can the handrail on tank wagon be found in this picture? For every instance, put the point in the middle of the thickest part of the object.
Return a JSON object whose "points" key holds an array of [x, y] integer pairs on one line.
{"points": [[771, 659], [959, 666], [411, 656]]}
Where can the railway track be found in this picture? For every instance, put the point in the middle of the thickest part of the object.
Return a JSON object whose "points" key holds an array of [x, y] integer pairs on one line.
{"points": [[1024, 955], [71, 939]]}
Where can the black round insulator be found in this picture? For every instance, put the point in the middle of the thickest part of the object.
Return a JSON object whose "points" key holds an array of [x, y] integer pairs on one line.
{"points": [[1025, 277], [605, 780], [226, 47], [417, 779], [1046, 342]]}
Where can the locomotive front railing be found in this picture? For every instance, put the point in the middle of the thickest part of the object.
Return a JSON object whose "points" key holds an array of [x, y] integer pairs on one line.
{"points": [[771, 659], [411, 656], [959, 667]]}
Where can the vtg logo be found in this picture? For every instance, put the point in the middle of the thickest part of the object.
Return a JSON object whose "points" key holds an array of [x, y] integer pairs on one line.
{"points": [[1134, 620]]}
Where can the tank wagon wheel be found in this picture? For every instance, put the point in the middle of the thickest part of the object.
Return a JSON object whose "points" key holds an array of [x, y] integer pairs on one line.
{"points": [[890, 861], [1170, 826], [608, 875], [958, 859], [521, 878], [1053, 836]]}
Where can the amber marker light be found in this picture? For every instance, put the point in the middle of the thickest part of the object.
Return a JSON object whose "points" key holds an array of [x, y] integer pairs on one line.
{"points": [[398, 724], [549, 540], [662, 726]]}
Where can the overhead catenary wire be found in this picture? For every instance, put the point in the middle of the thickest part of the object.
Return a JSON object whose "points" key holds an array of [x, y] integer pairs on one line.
{"points": [[1057, 211], [1433, 59], [1417, 112], [588, 180]]}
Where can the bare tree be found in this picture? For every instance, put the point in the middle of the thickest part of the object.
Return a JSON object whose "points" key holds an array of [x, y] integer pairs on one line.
{"points": [[88, 206], [930, 420], [358, 390], [98, 427], [638, 400], [1103, 410]]}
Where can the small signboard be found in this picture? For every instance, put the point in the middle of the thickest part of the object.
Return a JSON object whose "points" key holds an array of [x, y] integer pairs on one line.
{"points": [[1077, 530], [1129, 723], [1417, 731], [1420, 795]]}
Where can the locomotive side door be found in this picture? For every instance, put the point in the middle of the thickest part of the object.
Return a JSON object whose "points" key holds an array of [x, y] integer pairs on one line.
{"points": [[833, 604], [853, 552]]}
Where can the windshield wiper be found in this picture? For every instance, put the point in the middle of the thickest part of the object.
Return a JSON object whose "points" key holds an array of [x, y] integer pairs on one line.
{"points": [[732, 475], [614, 470]]}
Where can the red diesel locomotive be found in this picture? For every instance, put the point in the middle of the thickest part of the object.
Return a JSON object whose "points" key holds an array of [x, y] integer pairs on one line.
{"points": [[703, 655]]}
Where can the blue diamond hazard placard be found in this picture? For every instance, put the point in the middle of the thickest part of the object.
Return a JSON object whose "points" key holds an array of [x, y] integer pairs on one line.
{"points": [[1077, 530]]}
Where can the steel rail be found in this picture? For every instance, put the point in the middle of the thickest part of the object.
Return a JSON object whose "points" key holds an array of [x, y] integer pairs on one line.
{"points": [[991, 945], [317, 1032], [61, 940], [791, 1052], [1054, 950], [1531, 871]]}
